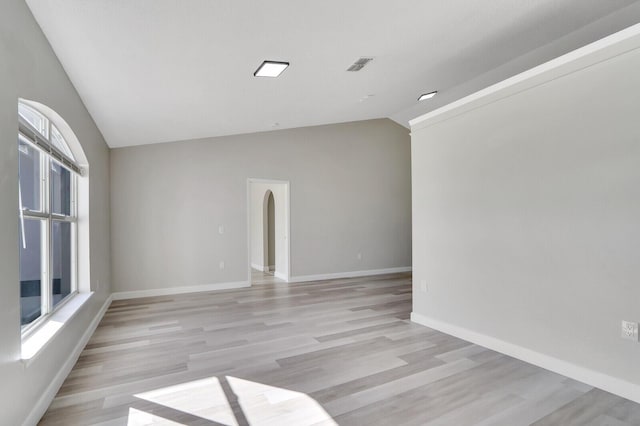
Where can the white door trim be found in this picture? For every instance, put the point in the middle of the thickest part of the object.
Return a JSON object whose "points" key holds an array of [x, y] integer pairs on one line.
{"points": [[287, 210]]}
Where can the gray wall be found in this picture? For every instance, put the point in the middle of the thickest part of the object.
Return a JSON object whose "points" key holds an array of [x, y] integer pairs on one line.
{"points": [[29, 69], [526, 216], [350, 193]]}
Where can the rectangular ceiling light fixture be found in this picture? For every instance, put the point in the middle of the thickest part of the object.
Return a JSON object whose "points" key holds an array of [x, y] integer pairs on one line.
{"points": [[428, 95], [271, 69]]}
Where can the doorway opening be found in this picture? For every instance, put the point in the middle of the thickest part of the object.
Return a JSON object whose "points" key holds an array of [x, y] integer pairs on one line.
{"points": [[270, 230], [268, 224]]}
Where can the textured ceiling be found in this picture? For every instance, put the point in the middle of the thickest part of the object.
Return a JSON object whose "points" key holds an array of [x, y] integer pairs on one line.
{"points": [[154, 71]]}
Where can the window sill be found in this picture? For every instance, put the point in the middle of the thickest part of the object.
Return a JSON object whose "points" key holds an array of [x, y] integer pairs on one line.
{"points": [[33, 344]]}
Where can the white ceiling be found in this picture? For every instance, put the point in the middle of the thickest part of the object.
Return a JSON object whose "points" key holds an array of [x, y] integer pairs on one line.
{"points": [[154, 71]]}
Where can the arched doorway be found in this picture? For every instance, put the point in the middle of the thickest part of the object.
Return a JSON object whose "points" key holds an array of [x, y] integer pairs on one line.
{"points": [[269, 227]]}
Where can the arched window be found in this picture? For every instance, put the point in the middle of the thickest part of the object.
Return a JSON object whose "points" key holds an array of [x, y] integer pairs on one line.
{"points": [[48, 212]]}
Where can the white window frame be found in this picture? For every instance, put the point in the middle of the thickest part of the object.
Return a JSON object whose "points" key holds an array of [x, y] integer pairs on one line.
{"points": [[35, 139]]}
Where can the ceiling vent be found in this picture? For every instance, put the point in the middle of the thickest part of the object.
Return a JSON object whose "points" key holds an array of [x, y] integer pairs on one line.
{"points": [[359, 64]]}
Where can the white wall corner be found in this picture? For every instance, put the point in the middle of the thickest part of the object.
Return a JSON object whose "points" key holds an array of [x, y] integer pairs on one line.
{"points": [[40, 408], [594, 378]]}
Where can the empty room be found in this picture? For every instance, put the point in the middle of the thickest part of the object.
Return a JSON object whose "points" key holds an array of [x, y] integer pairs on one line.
{"points": [[219, 212]]}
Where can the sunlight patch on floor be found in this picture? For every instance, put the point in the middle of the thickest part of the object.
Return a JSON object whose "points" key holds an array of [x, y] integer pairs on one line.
{"points": [[270, 405], [253, 403], [202, 398], [140, 418]]}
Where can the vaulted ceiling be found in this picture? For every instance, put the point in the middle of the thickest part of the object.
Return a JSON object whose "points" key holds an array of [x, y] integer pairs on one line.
{"points": [[153, 71]]}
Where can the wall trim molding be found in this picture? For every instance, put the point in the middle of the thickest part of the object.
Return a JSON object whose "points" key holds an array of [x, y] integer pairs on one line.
{"points": [[50, 392], [591, 54], [260, 267], [351, 274], [594, 378], [280, 276], [120, 295]]}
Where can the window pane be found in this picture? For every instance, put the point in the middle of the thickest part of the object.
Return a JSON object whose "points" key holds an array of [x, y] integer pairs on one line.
{"points": [[30, 270], [34, 118], [60, 196], [60, 260], [58, 141], [29, 174]]}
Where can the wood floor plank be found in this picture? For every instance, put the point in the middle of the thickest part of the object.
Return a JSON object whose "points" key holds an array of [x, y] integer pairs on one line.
{"points": [[321, 353]]}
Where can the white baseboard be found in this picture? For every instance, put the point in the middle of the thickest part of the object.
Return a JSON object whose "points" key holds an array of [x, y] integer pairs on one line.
{"points": [[260, 267], [352, 274], [47, 397], [120, 295], [280, 276], [594, 378]]}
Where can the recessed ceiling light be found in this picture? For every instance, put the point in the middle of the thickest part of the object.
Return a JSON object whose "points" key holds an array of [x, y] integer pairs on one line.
{"points": [[359, 64], [365, 97], [428, 95], [271, 69]]}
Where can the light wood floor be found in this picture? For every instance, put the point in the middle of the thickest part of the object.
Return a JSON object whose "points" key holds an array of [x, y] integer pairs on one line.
{"points": [[332, 352]]}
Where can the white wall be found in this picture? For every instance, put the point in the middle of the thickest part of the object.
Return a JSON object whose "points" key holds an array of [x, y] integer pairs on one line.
{"points": [[30, 70], [526, 215], [259, 243], [349, 191]]}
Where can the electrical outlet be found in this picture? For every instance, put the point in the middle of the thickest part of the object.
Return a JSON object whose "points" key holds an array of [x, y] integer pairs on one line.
{"points": [[359, 256], [423, 286], [220, 229], [630, 330], [221, 264]]}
